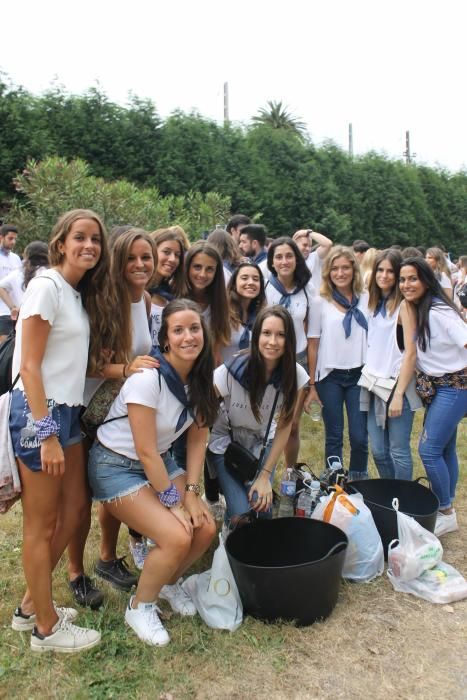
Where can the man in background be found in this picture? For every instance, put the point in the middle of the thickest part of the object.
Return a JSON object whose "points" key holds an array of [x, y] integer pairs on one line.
{"points": [[8, 261]]}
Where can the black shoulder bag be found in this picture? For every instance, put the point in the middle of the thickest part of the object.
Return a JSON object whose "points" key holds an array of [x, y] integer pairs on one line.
{"points": [[242, 463]]}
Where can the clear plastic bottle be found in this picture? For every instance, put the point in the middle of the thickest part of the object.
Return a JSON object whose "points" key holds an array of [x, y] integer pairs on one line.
{"points": [[288, 487], [304, 504], [315, 411]]}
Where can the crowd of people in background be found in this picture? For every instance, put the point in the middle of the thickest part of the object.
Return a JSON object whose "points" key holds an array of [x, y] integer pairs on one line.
{"points": [[185, 348]]}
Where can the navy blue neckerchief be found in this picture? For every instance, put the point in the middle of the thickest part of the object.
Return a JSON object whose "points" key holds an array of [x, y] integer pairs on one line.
{"points": [[175, 385], [262, 255], [285, 298], [238, 368], [228, 266], [247, 327], [381, 307], [351, 310], [163, 290]]}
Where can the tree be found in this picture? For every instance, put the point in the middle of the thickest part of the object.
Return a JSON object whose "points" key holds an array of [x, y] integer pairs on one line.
{"points": [[276, 116]]}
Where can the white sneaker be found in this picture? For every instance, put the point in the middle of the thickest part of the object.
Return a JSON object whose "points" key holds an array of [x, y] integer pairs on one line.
{"points": [[139, 552], [445, 522], [65, 638], [179, 600], [216, 508], [144, 620], [26, 623]]}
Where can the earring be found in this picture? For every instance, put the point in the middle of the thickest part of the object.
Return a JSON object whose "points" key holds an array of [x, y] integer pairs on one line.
{"points": [[165, 348]]}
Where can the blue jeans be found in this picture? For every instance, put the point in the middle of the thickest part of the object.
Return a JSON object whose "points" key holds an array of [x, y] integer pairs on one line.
{"points": [[391, 445], [235, 493], [437, 446], [339, 388]]}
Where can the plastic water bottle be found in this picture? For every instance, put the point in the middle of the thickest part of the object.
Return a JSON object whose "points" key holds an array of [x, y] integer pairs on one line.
{"points": [[304, 504], [288, 487], [315, 411]]}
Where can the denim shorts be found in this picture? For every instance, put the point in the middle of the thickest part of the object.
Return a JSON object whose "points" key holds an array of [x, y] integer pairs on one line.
{"points": [[112, 475], [26, 446]]}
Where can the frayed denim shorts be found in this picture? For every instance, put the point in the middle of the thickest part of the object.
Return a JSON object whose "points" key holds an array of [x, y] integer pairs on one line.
{"points": [[26, 445], [112, 475]]}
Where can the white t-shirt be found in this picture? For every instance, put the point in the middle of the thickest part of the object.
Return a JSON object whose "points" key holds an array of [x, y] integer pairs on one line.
{"points": [[335, 350], [8, 263], [299, 309], [140, 345], [13, 284], [146, 388], [156, 322], [65, 358], [245, 427], [446, 351], [383, 356], [315, 265], [263, 266]]}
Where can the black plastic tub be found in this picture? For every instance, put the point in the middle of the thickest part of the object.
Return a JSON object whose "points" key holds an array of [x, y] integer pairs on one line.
{"points": [[288, 569], [414, 499]]}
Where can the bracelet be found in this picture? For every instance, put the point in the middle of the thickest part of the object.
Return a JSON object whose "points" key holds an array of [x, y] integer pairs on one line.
{"points": [[195, 488], [266, 470], [170, 497], [45, 428], [311, 384]]}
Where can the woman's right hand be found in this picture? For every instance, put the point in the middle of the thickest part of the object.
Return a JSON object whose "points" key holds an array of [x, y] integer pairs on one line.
{"points": [[52, 457], [141, 362], [184, 517], [312, 395]]}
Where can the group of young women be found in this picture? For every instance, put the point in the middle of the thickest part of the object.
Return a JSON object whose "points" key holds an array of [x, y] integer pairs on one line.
{"points": [[185, 361]]}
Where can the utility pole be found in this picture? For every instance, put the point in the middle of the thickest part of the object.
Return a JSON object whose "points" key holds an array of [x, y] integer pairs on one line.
{"points": [[408, 155], [350, 141], [226, 103]]}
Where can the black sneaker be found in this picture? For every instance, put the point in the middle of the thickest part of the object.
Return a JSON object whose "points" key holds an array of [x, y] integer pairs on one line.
{"points": [[116, 573], [85, 593]]}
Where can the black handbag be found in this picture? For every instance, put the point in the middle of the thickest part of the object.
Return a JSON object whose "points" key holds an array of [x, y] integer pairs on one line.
{"points": [[242, 463], [7, 349]]}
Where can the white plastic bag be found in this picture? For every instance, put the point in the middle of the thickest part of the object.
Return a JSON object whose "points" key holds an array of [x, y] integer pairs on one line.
{"points": [[364, 558], [416, 550], [10, 485], [442, 584], [215, 593]]}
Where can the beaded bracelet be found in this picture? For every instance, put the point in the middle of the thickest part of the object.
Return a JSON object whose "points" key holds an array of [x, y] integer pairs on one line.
{"points": [[45, 427], [170, 497]]}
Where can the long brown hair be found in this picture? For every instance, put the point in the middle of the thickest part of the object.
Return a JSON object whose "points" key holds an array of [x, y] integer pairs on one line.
{"points": [[217, 296], [120, 291], [202, 393], [235, 307], [394, 257], [93, 287], [256, 370]]}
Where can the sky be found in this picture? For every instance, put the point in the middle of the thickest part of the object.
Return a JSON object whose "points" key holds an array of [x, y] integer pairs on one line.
{"points": [[385, 67]]}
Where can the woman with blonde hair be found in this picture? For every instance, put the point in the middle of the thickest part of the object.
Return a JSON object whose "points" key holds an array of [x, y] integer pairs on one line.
{"points": [[59, 332], [437, 261], [366, 266], [337, 334]]}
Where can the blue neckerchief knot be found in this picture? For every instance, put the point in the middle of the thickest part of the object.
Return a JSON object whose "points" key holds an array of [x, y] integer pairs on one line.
{"points": [[238, 368], [351, 311], [163, 290], [175, 385], [286, 296], [244, 342], [381, 307]]}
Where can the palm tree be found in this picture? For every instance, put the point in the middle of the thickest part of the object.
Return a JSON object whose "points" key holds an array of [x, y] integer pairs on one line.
{"points": [[276, 116]]}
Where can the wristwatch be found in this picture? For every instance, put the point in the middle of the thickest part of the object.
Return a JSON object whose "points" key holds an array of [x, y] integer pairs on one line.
{"points": [[193, 487]]}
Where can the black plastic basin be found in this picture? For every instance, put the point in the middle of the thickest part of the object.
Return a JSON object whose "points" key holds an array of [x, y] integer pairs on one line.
{"points": [[288, 569], [414, 499]]}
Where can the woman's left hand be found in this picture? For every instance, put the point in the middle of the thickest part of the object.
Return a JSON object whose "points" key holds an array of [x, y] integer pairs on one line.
{"points": [[395, 407], [197, 510], [262, 487]]}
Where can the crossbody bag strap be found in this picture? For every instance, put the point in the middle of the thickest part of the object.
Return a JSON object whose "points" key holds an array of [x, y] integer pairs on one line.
{"points": [[266, 434]]}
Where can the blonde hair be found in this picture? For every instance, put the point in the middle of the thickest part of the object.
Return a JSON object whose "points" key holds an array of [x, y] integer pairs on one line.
{"points": [[366, 265], [340, 251]]}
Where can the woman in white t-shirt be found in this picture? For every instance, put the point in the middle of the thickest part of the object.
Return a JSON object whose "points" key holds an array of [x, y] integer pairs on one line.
{"points": [[289, 285], [61, 311], [437, 261], [391, 354], [249, 386], [13, 286], [169, 276], [133, 474], [246, 297], [338, 340], [314, 259], [441, 381], [127, 351]]}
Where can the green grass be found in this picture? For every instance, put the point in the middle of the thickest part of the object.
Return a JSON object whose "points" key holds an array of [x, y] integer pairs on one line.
{"points": [[375, 642]]}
